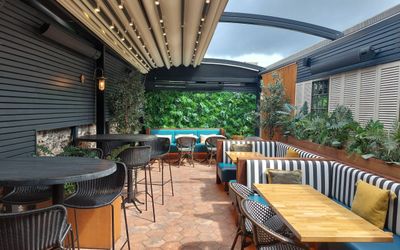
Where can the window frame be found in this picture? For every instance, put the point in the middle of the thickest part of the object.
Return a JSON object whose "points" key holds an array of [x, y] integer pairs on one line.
{"points": [[320, 97]]}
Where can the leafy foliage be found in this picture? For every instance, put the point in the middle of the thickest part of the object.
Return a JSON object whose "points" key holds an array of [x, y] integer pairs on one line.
{"points": [[338, 129], [274, 109], [78, 152], [235, 112], [126, 102]]}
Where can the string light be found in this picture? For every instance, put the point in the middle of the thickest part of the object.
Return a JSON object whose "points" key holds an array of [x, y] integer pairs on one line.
{"points": [[157, 2], [208, 1], [121, 5]]}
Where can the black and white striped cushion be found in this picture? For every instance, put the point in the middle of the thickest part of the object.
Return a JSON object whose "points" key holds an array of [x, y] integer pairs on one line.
{"points": [[344, 188], [317, 174], [282, 148], [266, 148]]}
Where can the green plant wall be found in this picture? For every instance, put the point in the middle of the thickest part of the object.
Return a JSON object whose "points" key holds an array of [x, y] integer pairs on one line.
{"points": [[235, 112]]}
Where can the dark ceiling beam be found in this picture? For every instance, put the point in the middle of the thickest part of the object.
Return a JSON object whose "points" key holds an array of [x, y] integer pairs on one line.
{"points": [[278, 22]]}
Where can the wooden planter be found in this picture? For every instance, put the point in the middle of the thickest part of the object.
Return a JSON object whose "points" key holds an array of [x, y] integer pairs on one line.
{"points": [[372, 165], [94, 225]]}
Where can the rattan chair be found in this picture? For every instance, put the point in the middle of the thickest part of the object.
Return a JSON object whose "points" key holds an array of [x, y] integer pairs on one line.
{"points": [[244, 230], [99, 193], [268, 233], [185, 145], [137, 158], [39, 229], [159, 150], [26, 195], [211, 144]]}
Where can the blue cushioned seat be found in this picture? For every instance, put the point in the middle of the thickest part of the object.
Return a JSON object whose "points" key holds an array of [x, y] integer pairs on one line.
{"points": [[258, 198], [226, 171], [395, 245]]}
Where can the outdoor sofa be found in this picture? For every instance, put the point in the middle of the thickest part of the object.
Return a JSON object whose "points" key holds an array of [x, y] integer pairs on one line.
{"points": [[338, 182]]}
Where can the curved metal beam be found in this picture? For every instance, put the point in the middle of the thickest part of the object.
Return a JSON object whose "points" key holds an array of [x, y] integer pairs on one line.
{"points": [[284, 23]]}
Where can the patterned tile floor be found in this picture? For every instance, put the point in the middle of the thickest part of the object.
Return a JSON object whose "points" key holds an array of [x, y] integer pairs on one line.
{"points": [[199, 216]]}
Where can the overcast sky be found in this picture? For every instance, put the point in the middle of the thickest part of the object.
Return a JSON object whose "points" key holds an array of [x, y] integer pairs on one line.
{"points": [[266, 45]]}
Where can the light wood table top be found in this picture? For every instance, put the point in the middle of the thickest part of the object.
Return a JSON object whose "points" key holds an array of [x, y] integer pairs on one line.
{"points": [[250, 155], [313, 217]]}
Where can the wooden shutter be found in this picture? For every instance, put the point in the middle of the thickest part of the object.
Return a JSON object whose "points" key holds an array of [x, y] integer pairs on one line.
{"points": [[299, 94], [335, 91], [368, 83], [350, 92], [307, 94], [388, 105]]}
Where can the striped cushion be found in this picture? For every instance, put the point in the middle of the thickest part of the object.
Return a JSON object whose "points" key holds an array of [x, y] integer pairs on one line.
{"points": [[343, 190], [266, 148], [281, 150], [315, 173]]}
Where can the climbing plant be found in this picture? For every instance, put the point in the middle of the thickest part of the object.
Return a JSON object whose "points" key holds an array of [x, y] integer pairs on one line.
{"points": [[235, 112]]}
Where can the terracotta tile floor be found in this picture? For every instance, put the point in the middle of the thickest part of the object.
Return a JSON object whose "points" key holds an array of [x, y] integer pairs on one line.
{"points": [[199, 216]]}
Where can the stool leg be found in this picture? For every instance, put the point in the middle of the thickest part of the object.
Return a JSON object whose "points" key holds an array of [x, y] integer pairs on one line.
{"points": [[162, 182], [152, 196], [112, 227], [170, 177], [126, 225], [145, 187]]}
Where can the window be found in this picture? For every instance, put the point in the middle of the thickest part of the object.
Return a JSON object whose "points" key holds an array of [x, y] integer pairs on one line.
{"points": [[320, 97]]}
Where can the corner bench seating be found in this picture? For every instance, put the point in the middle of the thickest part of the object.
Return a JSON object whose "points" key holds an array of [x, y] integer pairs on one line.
{"points": [[227, 171], [173, 132], [337, 181]]}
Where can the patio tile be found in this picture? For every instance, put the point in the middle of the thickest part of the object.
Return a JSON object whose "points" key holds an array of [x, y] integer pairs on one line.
{"points": [[199, 216]]}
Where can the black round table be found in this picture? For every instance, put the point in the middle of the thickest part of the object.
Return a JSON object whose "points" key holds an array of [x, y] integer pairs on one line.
{"points": [[52, 171], [118, 137]]}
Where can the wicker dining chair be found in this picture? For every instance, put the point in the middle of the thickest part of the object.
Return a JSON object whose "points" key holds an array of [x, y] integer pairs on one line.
{"points": [[41, 229], [26, 195], [211, 145], [268, 233], [100, 192], [185, 145], [159, 151], [244, 229], [137, 158]]}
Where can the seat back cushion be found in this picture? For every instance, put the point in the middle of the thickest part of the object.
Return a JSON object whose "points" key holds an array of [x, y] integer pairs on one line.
{"points": [[266, 148], [282, 148], [344, 187], [314, 173]]}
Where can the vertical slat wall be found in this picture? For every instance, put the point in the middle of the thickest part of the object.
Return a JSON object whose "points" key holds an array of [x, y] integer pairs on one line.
{"points": [[115, 70], [39, 82], [389, 79], [367, 107]]}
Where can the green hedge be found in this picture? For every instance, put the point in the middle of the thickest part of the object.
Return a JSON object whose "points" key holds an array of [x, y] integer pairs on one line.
{"points": [[235, 112]]}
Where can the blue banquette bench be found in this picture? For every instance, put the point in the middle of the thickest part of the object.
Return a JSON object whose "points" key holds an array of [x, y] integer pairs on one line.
{"points": [[227, 171], [173, 132], [336, 181]]}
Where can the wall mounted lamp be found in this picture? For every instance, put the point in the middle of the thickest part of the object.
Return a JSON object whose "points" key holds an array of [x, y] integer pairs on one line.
{"points": [[101, 81]]}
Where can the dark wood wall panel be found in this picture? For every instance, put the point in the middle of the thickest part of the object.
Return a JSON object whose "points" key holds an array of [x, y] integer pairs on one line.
{"points": [[39, 82], [383, 36]]}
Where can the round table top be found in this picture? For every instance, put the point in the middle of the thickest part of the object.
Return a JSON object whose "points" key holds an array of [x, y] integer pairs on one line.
{"points": [[31, 171], [118, 137]]}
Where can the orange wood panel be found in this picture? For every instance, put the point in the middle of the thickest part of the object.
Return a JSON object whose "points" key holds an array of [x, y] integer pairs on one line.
{"points": [[288, 74]]}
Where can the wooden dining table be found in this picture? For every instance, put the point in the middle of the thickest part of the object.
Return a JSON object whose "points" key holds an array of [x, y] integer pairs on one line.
{"points": [[315, 218]]}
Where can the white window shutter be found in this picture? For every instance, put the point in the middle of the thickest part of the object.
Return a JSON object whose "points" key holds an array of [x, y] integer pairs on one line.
{"points": [[299, 95], [307, 94], [389, 81], [335, 91], [351, 91], [367, 100]]}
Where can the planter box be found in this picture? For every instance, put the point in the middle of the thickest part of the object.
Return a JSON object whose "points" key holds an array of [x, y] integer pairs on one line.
{"points": [[94, 225], [373, 165]]}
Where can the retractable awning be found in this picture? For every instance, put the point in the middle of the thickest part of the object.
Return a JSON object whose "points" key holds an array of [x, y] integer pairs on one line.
{"points": [[151, 33]]}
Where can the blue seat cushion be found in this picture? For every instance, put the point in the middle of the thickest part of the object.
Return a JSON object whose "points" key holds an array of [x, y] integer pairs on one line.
{"points": [[226, 171], [223, 165], [395, 245], [258, 198]]}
